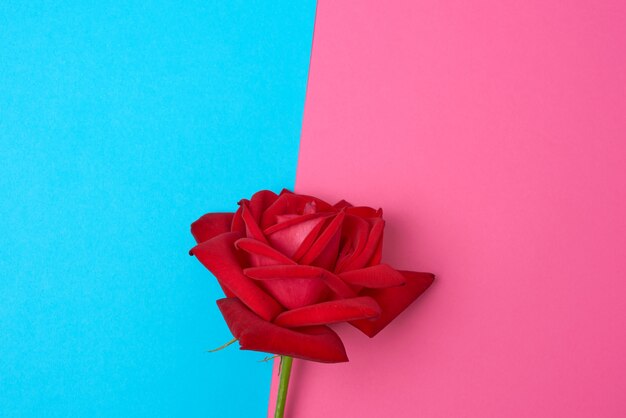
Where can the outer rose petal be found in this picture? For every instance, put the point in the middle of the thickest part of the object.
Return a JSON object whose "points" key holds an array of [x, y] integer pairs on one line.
{"points": [[210, 225], [330, 312], [374, 277], [238, 224], [378, 253], [252, 228], [315, 343], [394, 300], [256, 206], [219, 256], [354, 233], [261, 253], [296, 292], [291, 290], [365, 212], [260, 201], [280, 272], [342, 204], [371, 247]]}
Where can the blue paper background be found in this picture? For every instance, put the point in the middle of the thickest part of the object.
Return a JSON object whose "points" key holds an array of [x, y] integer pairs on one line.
{"points": [[120, 123]]}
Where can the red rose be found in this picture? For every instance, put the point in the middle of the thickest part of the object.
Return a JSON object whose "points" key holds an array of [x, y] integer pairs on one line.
{"points": [[292, 264]]}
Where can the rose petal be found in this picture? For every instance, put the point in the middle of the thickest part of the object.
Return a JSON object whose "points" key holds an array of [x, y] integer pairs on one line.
{"points": [[259, 202], [378, 276], [309, 208], [394, 300], [288, 221], [261, 253], [315, 343], [290, 203], [291, 235], [219, 256], [238, 224], [371, 246], [330, 312], [365, 212], [252, 228], [283, 272], [354, 233], [277, 272], [296, 292], [378, 253], [210, 225], [305, 245], [323, 253], [342, 204], [291, 291]]}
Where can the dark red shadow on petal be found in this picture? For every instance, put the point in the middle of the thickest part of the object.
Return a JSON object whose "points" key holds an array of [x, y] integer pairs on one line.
{"points": [[370, 249], [354, 234], [393, 300], [319, 343]]}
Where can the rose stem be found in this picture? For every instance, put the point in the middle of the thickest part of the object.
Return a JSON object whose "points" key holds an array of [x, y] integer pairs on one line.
{"points": [[285, 372]]}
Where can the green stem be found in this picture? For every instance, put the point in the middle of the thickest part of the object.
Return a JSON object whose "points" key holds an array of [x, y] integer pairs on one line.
{"points": [[223, 346], [285, 372]]}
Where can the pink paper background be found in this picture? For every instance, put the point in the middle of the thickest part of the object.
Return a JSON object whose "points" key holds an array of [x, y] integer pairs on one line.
{"points": [[493, 135]]}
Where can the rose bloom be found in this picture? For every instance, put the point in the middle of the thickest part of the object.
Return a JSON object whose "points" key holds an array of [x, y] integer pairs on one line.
{"points": [[292, 264]]}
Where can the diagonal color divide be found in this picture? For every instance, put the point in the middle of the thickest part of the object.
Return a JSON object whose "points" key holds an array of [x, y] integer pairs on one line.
{"points": [[121, 122], [492, 133]]}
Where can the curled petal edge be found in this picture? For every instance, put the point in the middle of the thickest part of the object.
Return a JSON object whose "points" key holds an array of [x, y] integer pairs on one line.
{"points": [[318, 343], [393, 301]]}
